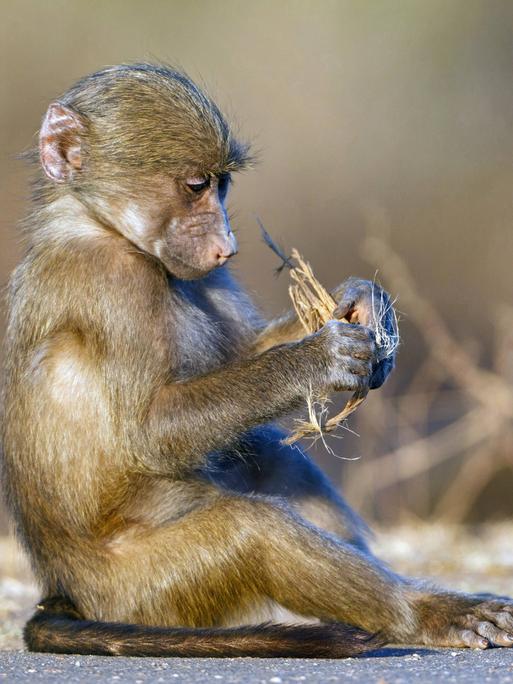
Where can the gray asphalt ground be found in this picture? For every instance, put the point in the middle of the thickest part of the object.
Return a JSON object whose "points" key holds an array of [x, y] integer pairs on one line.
{"points": [[387, 666]]}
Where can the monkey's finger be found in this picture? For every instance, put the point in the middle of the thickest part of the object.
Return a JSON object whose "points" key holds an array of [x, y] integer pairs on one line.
{"points": [[495, 635], [355, 339], [351, 382], [361, 350], [363, 355], [359, 312], [343, 308], [358, 367], [467, 637], [502, 619]]}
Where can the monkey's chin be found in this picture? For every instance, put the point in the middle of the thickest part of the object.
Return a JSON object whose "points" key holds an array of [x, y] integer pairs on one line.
{"points": [[184, 271]]}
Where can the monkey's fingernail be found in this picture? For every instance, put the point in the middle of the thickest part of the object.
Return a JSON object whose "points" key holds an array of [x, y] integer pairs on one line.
{"points": [[509, 637]]}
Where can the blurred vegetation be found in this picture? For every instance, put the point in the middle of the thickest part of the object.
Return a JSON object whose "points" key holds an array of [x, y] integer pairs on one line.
{"points": [[396, 109]]}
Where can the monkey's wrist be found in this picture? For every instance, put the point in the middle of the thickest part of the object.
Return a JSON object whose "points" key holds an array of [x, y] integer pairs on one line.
{"points": [[313, 364]]}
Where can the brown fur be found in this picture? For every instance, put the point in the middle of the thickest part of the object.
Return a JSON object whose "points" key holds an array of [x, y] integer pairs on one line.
{"points": [[154, 498]]}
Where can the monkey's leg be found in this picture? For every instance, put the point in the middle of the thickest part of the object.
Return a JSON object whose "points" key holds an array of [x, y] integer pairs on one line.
{"points": [[227, 555], [236, 551], [261, 464], [443, 618], [168, 591]]}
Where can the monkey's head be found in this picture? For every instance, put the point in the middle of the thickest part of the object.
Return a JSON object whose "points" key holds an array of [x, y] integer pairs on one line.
{"points": [[151, 155]]}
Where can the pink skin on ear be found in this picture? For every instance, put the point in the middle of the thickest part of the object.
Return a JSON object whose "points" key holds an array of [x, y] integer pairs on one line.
{"points": [[60, 143]]}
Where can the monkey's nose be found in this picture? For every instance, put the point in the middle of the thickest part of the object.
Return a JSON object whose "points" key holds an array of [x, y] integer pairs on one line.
{"points": [[225, 249]]}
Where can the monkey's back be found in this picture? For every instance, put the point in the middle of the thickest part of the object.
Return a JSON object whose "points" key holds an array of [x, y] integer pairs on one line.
{"points": [[57, 427]]}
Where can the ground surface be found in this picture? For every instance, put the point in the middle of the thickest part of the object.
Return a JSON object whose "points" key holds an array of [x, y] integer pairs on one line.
{"points": [[479, 559], [389, 666]]}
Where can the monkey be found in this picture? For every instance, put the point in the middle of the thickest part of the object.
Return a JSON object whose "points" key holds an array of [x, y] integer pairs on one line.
{"points": [[141, 457]]}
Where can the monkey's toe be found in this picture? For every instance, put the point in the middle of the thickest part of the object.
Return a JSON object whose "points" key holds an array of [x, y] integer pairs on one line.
{"points": [[468, 638], [501, 618], [494, 634], [490, 622]]}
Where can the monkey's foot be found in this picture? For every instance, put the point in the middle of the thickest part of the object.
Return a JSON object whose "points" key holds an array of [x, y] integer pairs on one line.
{"points": [[459, 620]]}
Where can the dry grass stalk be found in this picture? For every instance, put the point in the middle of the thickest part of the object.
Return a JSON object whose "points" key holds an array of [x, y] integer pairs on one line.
{"points": [[314, 306]]}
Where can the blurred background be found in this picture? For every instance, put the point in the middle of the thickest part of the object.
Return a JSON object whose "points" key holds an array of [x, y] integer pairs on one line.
{"points": [[384, 131]]}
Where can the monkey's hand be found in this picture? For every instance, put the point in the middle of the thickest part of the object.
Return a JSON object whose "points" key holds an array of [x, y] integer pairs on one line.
{"points": [[366, 303], [349, 354], [450, 619]]}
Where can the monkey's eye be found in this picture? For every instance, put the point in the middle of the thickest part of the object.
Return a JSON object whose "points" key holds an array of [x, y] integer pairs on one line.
{"points": [[223, 185], [197, 184]]}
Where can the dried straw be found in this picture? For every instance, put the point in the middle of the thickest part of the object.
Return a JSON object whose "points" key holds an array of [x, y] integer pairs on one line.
{"points": [[315, 306]]}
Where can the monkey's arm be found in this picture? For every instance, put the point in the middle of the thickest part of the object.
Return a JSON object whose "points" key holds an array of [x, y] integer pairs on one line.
{"points": [[189, 419], [286, 328]]}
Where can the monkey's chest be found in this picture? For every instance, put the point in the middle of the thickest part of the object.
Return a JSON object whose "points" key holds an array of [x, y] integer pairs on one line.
{"points": [[200, 337]]}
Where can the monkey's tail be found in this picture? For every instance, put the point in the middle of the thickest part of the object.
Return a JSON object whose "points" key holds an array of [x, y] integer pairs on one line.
{"points": [[57, 627]]}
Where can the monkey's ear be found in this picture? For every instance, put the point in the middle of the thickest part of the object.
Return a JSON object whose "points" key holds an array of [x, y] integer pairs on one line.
{"points": [[60, 142]]}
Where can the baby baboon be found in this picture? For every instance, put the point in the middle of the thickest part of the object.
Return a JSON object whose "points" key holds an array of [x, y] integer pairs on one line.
{"points": [[161, 514]]}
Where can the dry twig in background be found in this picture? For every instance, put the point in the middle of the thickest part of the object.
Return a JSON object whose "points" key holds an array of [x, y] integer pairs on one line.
{"points": [[474, 406]]}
